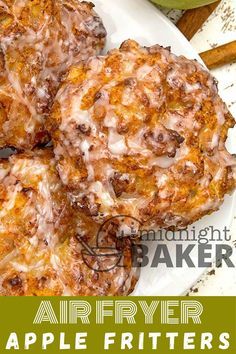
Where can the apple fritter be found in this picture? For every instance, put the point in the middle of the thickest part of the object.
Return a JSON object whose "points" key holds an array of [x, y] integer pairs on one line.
{"points": [[39, 40], [142, 132], [47, 247]]}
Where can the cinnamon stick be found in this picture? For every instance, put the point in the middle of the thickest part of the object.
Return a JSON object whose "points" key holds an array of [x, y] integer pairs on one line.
{"points": [[192, 20], [219, 56]]}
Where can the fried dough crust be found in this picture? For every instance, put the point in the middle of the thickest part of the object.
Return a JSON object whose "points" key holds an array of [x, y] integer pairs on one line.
{"points": [[39, 40], [142, 132], [42, 237]]}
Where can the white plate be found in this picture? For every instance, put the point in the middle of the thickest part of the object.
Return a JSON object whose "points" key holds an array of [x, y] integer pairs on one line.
{"points": [[140, 20]]}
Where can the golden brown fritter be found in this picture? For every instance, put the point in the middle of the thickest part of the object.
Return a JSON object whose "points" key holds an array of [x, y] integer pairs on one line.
{"points": [[142, 132], [42, 237], [39, 40]]}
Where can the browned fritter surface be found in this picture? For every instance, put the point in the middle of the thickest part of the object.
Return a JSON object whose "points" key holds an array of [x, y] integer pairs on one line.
{"points": [[40, 237], [39, 40], [142, 132]]}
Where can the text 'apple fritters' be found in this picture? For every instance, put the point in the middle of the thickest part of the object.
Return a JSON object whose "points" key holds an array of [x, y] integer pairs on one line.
{"points": [[39, 40], [142, 132], [44, 243]]}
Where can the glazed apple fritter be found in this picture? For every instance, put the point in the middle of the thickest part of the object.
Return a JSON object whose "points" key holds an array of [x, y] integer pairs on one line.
{"points": [[39, 40], [142, 132], [43, 240]]}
